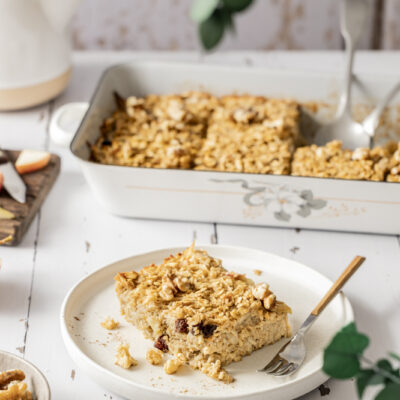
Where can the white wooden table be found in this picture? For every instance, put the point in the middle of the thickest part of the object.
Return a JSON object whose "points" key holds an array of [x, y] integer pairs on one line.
{"points": [[72, 236]]}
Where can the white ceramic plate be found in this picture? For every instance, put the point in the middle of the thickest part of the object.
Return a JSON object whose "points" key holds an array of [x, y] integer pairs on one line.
{"points": [[93, 348]]}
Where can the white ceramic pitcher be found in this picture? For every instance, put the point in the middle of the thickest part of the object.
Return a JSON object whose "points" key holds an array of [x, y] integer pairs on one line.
{"points": [[35, 50]]}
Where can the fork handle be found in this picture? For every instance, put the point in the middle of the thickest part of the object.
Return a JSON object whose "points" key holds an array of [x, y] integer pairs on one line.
{"points": [[340, 282]]}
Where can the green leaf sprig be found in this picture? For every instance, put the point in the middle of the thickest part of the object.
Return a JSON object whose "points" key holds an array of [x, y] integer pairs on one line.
{"points": [[215, 17], [343, 358]]}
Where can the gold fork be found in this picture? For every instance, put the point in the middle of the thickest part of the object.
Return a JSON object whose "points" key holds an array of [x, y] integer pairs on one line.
{"points": [[290, 357]]}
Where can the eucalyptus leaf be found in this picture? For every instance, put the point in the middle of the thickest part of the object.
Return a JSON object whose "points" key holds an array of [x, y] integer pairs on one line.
{"points": [[212, 30], [390, 392], [203, 9], [384, 364], [228, 20], [341, 366], [395, 356], [237, 5], [341, 357], [363, 380]]}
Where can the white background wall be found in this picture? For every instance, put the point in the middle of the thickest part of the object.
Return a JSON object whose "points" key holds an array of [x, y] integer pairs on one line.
{"points": [[267, 25]]}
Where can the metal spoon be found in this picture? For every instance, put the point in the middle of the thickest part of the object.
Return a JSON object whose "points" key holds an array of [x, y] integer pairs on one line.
{"points": [[371, 122], [353, 16]]}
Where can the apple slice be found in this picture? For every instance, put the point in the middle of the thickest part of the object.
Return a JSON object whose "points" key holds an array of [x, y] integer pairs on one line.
{"points": [[1, 180], [31, 160], [5, 214]]}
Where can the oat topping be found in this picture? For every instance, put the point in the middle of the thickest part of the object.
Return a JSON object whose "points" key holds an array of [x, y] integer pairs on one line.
{"points": [[123, 358], [154, 356], [109, 323], [252, 134], [332, 161], [217, 317], [198, 130]]}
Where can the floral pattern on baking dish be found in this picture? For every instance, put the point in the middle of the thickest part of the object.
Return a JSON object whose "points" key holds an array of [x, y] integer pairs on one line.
{"points": [[282, 200]]}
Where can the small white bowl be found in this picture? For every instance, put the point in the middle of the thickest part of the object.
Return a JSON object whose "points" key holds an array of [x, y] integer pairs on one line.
{"points": [[37, 383]]}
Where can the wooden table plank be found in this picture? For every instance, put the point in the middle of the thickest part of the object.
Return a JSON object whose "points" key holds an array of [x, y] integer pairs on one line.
{"points": [[24, 129]]}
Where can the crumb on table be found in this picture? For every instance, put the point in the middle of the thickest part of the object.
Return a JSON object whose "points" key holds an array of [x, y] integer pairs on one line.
{"points": [[123, 358], [110, 324], [257, 272]]}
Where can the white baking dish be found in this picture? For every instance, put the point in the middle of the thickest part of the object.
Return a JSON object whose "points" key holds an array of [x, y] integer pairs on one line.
{"points": [[239, 198]]}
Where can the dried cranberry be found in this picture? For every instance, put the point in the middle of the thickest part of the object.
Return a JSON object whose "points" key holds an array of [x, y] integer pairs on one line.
{"points": [[181, 325], [161, 344], [207, 330]]}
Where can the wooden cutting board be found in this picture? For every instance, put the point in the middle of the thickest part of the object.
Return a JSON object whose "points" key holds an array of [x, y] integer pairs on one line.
{"points": [[38, 185]]}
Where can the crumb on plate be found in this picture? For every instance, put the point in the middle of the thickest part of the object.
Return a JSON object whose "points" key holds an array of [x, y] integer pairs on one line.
{"points": [[110, 324], [123, 358]]}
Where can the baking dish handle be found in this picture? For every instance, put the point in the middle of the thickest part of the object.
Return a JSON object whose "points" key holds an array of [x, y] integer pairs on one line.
{"points": [[65, 121]]}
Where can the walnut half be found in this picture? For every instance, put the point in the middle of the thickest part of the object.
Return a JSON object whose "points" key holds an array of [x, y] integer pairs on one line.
{"points": [[262, 292]]}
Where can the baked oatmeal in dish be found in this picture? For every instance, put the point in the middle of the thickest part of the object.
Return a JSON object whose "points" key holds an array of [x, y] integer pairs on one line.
{"points": [[250, 134], [234, 133], [199, 130], [155, 131], [202, 314], [332, 161]]}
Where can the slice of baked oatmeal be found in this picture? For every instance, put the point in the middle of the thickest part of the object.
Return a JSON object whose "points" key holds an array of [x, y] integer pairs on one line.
{"points": [[194, 308], [332, 161], [251, 134]]}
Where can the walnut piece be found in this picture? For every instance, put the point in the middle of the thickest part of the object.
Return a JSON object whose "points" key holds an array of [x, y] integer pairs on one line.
{"points": [[168, 289], [269, 301], [12, 387], [182, 283], [171, 366], [154, 356], [261, 291]]}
